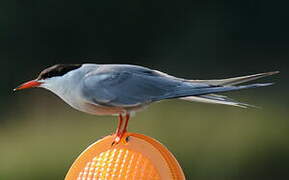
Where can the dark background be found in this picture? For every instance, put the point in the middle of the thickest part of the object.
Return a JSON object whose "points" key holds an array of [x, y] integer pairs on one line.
{"points": [[40, 135]]}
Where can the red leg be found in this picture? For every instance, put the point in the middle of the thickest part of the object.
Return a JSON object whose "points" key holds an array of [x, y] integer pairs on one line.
{"points": [[127, 116], [121, 129], [120, 121]]}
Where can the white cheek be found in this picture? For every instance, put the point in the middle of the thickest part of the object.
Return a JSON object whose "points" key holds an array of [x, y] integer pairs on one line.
{"points": [[64, 89], [53, 84]]}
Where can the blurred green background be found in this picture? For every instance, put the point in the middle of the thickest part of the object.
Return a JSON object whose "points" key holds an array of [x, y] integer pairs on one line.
{"points": [[40, 136]]}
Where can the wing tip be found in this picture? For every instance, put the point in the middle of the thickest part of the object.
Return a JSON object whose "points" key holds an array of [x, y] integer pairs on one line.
{"points": [[272, 73]]}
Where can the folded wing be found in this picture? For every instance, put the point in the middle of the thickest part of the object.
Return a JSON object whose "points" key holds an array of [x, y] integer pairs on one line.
{"points": [[125, 88]]}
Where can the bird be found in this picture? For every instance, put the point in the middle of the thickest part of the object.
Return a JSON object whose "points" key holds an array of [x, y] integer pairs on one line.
{"points": [[122, 89]]}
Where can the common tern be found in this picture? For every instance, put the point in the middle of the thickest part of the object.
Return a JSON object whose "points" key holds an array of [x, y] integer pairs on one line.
{"points": [[120, 89]]}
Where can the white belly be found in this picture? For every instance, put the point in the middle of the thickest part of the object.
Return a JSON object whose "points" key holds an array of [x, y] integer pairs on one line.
{"points": [[109, 110]]}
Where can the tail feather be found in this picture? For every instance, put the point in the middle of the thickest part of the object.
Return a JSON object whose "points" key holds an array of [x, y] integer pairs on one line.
{"points": [[216, 99], [236, 80], [205, 95]]}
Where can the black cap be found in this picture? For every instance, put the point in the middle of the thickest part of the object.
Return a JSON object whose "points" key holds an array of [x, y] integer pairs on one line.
{"points": [[57, 70]]}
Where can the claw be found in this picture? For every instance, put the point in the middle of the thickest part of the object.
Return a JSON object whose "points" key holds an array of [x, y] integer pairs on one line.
{"points": [[118, 138]]}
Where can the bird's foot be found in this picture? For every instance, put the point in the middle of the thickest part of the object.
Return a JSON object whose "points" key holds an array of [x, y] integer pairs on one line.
{"points": [[118, 138]]}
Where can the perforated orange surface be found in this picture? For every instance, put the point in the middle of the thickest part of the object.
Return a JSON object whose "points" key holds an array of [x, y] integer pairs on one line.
{"points": [[119, 164], [139, 158]]}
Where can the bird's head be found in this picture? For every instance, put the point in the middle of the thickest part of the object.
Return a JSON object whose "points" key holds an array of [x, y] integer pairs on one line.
{"points": [[49, 75]]}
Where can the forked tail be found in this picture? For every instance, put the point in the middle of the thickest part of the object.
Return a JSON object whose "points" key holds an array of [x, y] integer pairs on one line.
{"points": [[226, 85]]}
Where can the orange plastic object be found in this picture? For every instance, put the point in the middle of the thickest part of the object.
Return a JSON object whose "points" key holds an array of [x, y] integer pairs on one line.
{"points": [[140, 157]]}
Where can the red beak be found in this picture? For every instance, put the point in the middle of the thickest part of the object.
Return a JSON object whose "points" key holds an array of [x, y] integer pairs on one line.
{"points": [[29, 84]]}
